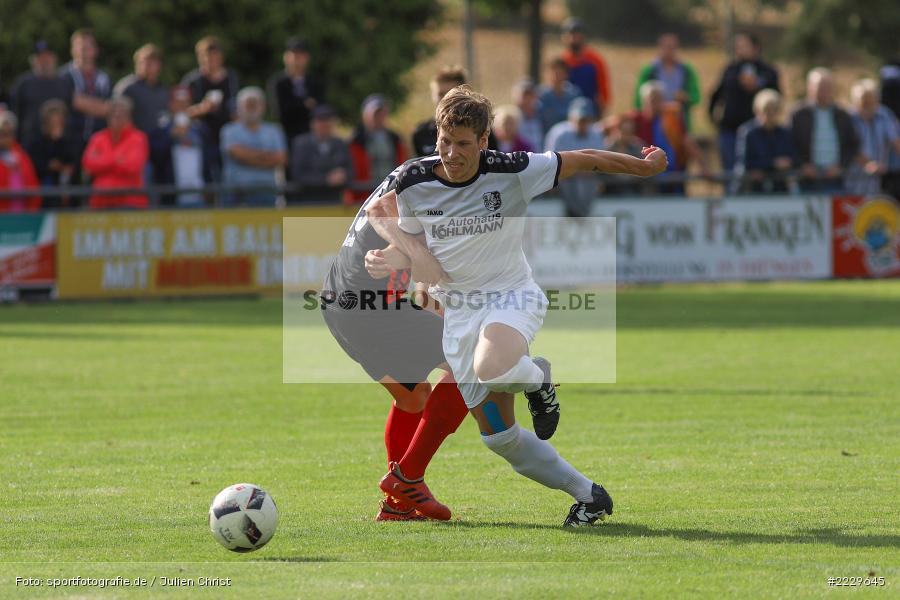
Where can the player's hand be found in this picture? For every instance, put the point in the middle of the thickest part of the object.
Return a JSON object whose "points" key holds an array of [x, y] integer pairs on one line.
{"points": [[656, 159], [377, 265]]}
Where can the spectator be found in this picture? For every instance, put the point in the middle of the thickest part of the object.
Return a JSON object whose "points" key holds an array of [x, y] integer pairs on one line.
{"points": [[679, 79], [213, 88], [878, 131], [294, 93], [32, 89], [890, 97], [89, 86], [320, 160], [622, 137], [823, 134], [16, 170], [531, 129], [507, 130], [375, 149], [765, 152], [731, 104], [115, 157], [253, 150], [149, 97], [176, 149], [587, 68], [662, 125], [54, 155], [576, 133], [424, 138], [556, 95]]}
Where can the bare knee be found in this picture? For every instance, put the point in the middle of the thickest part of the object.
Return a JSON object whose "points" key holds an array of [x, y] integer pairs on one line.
{"points": [[499, 349]]}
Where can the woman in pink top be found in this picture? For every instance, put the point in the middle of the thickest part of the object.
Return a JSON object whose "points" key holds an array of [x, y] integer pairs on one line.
{"points": [[16, 169], [115, 157]]}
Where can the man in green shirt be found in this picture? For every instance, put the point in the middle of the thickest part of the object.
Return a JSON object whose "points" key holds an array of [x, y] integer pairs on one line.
{"points": [[679, 79]]}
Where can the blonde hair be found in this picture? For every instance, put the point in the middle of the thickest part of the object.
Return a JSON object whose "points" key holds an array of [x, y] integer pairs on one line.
{"points": [[506, 111], [861, 88], [765, 97]]}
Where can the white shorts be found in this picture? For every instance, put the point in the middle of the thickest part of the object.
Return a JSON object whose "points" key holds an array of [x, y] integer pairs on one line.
{"points": [[523, 309]]}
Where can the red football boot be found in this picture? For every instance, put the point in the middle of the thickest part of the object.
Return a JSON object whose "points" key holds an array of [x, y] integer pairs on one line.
{"points": [[413, 494], [390, 511]]}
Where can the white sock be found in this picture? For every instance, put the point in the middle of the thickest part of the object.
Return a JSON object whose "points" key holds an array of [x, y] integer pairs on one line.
{"points": [[525, 376], [538, 460]]}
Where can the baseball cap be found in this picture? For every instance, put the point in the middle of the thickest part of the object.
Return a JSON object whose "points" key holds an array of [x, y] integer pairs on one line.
{"points": [[581, 108], [323, 111], [374, 102], [296, 44], [41, 46], [573, 25]]}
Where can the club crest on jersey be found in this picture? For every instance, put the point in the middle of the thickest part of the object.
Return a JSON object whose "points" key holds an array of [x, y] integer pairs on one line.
{"points": [[492, 201]]}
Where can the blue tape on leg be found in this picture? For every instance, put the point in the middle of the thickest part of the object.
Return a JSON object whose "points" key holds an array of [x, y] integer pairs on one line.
{"points": [[492, 414]]}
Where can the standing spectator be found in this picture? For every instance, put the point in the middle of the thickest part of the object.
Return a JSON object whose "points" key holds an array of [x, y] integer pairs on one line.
{"points": [[662, 125], [824, 137], [679, 79], [879, 133], [213, 88], [424, 138], [16, 170], [320, 160], [115, 157], [90, 87], [576, 133], [375, 149], [253, 150], [32, 89], [587, 68], [294, 93], [731, 104], [176, 149], [149, 97], [54, 155], [531, 128], [622, 137], [556, 95], [890, 97], [765, 152], [507, 130]]}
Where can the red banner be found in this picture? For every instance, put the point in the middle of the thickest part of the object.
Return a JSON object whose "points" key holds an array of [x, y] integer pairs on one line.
{"points": [[866, 239]]}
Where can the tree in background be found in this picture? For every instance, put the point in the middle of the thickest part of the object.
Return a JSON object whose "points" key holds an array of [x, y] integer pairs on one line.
{"points": [[635, 21], [822, 28], [358, 46]]}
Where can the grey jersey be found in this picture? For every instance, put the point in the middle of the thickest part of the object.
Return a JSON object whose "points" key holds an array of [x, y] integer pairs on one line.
{"points": [[475, 228]]}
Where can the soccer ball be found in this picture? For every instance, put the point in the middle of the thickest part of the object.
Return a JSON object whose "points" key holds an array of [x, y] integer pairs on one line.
{"points": [[243, 517]]}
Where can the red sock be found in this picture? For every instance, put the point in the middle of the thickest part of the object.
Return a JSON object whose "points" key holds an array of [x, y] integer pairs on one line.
{"points": [[443, 413], [398, 431]]}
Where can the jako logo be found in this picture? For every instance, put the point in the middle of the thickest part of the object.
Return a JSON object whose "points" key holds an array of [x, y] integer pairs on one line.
{"points": [[434, 213]]}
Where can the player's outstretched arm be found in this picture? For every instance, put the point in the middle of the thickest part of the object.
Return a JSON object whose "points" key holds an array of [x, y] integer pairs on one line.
{"points": [[654, 162], [382, 214]]}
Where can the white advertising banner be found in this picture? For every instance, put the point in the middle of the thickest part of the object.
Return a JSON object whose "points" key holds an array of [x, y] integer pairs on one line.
{"points": [[747, 238]]}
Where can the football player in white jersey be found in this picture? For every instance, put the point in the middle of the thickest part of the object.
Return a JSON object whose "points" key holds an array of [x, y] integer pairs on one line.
{"points": [[465, 203]]}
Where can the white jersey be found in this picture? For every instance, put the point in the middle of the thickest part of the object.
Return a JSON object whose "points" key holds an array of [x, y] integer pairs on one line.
{"points": [[475, 228]]}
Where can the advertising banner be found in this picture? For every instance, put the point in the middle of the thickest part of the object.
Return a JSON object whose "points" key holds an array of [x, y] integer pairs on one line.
{"points": [[27, 244], [173, 253], [866, 240], [709, 240]]}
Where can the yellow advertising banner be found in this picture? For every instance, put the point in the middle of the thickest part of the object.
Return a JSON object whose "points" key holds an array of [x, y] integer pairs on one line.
{"points": [[174, 252]]}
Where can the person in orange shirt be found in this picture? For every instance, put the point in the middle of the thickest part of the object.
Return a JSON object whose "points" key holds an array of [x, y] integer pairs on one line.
{"points": [[587, 69], [16, 169], [115, 157]]}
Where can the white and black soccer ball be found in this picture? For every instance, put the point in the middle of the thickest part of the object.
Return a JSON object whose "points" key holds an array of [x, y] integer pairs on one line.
{"points": [[243, 517]]}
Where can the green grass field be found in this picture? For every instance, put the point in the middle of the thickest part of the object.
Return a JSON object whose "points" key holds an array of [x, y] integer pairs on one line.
{"points": [[752, 445]]}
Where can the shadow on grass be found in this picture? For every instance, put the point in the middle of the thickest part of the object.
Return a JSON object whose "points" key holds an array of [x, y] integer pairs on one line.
{"points": [[832, 536], [298, 559], [623, 391]]}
